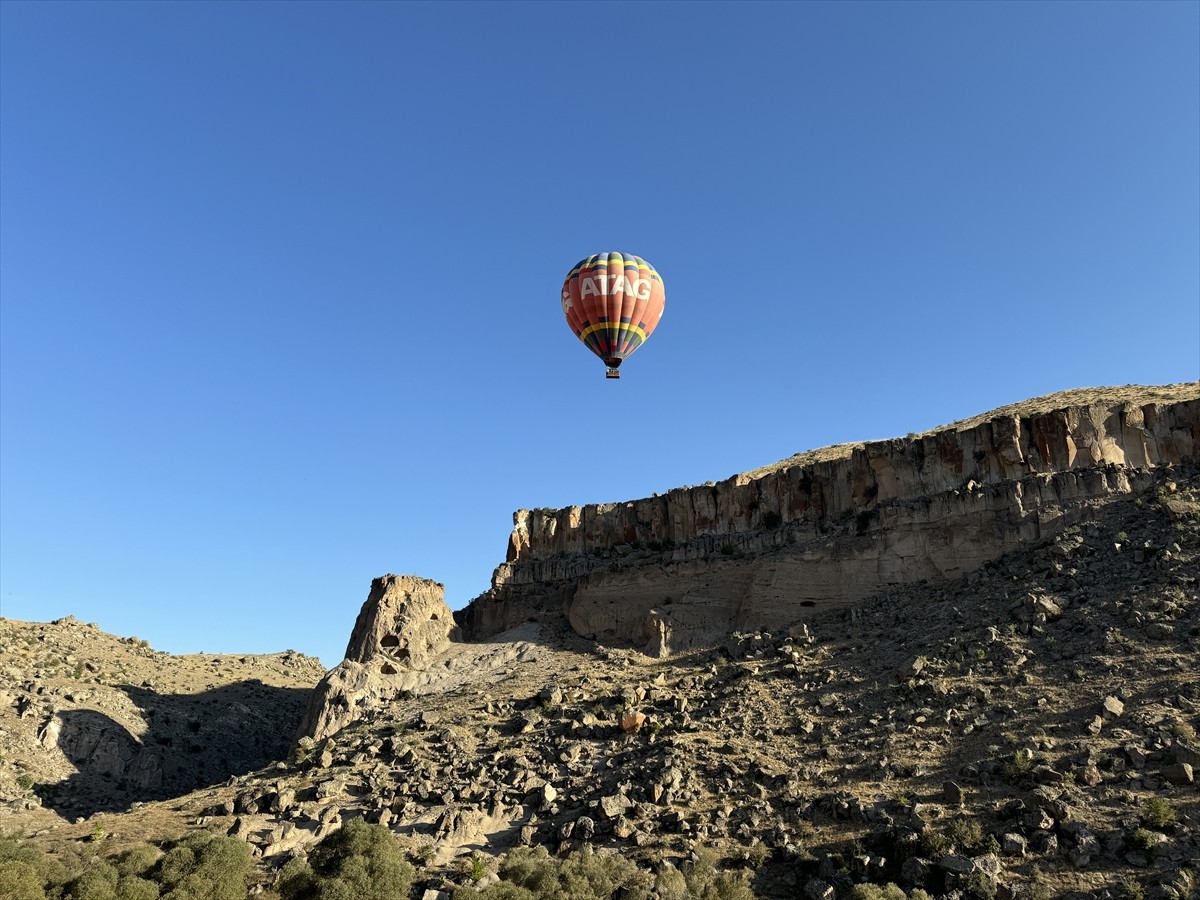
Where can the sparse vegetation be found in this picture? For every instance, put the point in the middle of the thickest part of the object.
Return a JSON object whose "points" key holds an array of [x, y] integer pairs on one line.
{"points": [[1157, 812], [476, 867], [1018, 766], [1184, 731], [1145, 839]]}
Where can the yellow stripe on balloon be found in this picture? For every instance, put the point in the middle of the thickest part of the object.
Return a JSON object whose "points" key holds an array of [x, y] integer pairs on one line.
{"points": [[612, 326]]}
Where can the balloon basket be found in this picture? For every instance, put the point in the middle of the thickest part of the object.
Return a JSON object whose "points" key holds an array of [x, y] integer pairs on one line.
{"points": [[612, 373]]}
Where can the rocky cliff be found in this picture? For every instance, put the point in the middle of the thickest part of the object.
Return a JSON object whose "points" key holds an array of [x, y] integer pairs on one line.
{"points": [[833, 527], [403, 623]]}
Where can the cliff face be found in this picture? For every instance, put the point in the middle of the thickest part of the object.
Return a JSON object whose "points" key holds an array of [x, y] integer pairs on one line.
{"points": [[402, 625], [764, 548]]}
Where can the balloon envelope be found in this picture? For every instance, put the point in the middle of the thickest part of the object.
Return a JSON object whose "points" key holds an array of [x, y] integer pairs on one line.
{"points": [[613, 302]]}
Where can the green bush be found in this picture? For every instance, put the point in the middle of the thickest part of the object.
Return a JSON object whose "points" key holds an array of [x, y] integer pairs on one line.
{"points": [[934, 844], [97, 882], [203, 865], [19, 880], [503, 890], [1017, 767], [530, 874], [1157, 812], [965, 834], [670, 884], [876, 892], [476, 868], [1146, 840], [703, 882], [137, 860], [26, 872], [979, 886], [725, 886], [132, 887], [356, 861]]}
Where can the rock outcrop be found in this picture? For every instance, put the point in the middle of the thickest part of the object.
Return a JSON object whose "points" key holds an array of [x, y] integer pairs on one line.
{"points": [[403, 624], [833, 527]]}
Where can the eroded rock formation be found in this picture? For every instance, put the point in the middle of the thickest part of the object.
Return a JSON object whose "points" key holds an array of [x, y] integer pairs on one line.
{"points": [[830, 528], [403, 623]]}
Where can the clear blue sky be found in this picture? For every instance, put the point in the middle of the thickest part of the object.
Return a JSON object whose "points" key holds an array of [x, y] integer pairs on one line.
{"points": [[280, 281]]}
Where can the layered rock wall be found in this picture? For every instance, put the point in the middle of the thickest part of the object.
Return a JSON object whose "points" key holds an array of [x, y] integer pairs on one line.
{"points": [[763, 548]]}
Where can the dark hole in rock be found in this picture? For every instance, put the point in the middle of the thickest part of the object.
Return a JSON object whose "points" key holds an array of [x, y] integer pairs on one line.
{"points": [[387, 669], [808, 602], [390, 640]]}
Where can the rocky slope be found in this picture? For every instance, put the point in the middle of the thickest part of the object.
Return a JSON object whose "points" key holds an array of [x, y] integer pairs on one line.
{"points": [[830, 528], [1026, 727], [90, 721]]}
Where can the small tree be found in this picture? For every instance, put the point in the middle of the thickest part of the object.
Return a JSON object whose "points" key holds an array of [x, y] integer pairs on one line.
{"points": [[203, 865], [357, 861]]}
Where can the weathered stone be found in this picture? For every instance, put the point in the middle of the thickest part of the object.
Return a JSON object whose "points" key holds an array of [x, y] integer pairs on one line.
{"points": [[1046, 608], [952, 793], [1088, 775], [1179, 774], [403, 622], [1113, 707], [1138, 756], [614, 805], [959, 865], [1043, 842], [1013, 844], [632, 721], [1183, 752], [585, 828], [988, 865], [914, 871], [622, 829]]}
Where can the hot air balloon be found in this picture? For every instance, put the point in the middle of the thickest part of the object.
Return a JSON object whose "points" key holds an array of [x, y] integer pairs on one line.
{"points": [[613, 302]]}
